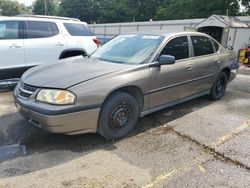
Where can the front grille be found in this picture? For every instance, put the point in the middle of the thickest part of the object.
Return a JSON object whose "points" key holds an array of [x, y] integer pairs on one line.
{"points": [[29, 88], [25, 91]]}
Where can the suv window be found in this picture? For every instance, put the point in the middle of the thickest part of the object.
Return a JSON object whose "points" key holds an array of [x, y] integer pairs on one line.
{"points": [[202, 45], [37, 29], [177, 47], [9, 30], [75, 29]]}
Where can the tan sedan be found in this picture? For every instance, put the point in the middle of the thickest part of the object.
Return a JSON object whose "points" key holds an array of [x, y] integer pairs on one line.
{"points": [[129, 77]]}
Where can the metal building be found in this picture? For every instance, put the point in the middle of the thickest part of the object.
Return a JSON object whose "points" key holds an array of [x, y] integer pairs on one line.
{"points": [[229, 31]]}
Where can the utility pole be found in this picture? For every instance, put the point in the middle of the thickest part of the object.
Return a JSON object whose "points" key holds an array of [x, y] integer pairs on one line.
{"points": [[45, 7]]}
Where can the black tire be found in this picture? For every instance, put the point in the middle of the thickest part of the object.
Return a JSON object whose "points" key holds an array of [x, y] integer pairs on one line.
{"points": [[219, 87], [118, 116]]}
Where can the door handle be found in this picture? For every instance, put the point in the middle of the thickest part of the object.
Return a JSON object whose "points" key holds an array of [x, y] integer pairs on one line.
{"points": [[15, 46], [189, 67], [59, 44]]}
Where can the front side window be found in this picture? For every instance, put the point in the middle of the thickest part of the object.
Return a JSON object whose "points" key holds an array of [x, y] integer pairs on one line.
{"points": [[9, 30], [129, 49], [177, 47], [202, 45], [37, 29]]}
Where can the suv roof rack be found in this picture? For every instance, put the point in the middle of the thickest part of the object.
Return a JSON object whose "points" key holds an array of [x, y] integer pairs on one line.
{"points": [[48, 17]]}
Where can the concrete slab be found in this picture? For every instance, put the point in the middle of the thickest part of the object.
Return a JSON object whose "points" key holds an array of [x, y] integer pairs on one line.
{"points": [[238, 148], [169, 148], [240, 84], [99, 169], [244, 70], [7, 105], [215, 120], [213, 173]]}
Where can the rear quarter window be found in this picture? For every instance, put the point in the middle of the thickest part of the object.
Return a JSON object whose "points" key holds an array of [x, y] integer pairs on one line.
{"points": [[76, 29], [216, 45]]}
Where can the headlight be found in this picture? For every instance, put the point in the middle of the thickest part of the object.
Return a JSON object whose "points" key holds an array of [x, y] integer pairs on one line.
{"points": [[55, 96]]}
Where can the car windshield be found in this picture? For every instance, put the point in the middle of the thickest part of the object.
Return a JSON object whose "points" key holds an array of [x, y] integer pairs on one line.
{"points": [[129, 49]]}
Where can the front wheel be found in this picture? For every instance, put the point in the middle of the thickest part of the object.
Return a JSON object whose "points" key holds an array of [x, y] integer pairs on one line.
{"points": [[219, 87], [118, 116]]}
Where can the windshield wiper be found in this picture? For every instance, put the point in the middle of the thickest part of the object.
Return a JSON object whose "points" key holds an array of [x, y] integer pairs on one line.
{"points": [[111, 60]]}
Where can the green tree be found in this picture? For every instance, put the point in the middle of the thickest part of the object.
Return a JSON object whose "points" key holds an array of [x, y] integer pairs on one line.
{"points": [[145, 9], [104, 11], [180, 9], [85, 10], [246, 5], [45, 7], [114, 11], [11, 8]]}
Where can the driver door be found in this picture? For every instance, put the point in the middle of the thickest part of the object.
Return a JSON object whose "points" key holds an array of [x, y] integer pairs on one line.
{"points": [[169, 83]]}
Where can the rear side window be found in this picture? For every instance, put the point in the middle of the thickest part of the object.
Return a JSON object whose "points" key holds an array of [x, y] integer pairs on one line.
{"points": [[202, 45], [9, 30], [177, 47], [216, 45], [76, 29], [37, 29]]}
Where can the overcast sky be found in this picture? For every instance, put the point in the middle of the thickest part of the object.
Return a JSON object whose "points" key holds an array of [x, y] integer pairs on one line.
{"points": [[26, 2]]}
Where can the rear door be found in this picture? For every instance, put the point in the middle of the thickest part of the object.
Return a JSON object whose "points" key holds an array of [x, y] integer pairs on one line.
{"points": [[11, 49], [43, 43], [79, 36], [170, 83], [206, 62]]}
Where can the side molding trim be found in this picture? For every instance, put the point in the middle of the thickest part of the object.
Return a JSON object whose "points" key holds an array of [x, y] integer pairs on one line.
{"points": [[146, 112]]}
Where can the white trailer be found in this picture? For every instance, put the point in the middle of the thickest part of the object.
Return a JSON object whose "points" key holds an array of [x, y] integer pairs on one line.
{"points": [[231, 33], [106, 31]]}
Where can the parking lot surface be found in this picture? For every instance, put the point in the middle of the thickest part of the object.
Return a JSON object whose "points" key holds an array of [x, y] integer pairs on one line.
{"points": [[200, 143]]}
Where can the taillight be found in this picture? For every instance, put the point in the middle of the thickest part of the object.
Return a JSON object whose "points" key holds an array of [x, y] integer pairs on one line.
{"points": [[96, 41]]}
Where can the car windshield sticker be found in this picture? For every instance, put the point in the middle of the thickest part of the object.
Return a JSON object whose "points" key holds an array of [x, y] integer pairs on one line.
{"points": [[129, 36], [153, 37]]}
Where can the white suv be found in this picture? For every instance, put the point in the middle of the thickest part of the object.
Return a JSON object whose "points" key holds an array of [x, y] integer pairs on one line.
{"points": [[28, 41]]}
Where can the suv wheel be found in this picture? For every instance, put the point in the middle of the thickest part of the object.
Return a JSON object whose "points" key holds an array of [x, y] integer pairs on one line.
{"points": [[118, 116]]}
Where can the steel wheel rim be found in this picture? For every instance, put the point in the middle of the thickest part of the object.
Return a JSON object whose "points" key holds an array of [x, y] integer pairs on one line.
{"points": [[120, 116], [220, 86]]}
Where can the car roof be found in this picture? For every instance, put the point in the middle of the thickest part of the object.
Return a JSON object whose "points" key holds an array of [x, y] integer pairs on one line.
{"points": [[166, 33], [41, 18]]}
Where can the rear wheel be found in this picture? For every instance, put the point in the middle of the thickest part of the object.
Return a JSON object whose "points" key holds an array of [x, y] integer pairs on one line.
{"points": [[219, 87], [118, 116]]}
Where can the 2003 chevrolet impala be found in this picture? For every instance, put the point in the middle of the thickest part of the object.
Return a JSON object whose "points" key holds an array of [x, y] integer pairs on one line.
{"points": [[129, 77]]}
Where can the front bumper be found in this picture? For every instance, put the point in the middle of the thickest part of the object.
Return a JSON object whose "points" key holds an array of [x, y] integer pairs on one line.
{"points": [[77, 122]]}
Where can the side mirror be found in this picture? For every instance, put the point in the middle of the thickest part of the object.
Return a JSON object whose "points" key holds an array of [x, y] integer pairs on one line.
{"points": [[230, 48], [166, 60]]}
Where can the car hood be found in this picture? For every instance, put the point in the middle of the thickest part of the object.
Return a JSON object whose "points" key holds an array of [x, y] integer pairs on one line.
{"points": [[69, 72]]}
